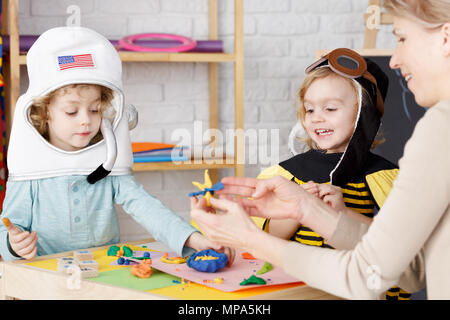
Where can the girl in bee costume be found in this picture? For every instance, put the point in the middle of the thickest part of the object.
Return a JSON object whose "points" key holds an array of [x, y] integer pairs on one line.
{"points": [[336, 158]]}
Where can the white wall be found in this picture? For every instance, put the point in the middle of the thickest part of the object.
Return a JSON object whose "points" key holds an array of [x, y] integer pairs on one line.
{"points": [[280, 40]]}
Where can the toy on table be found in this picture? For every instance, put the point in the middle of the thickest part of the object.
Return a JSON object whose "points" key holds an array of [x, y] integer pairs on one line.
{"points": [[125, 255], [145, 256], [92, 264], [253, 280], [207, 188], [142, 270], [265, 268], [65, 263], [117, 251], [173, 260], [207, 261], [81, 255], [248, 256], [218, 280], [83, 259]]}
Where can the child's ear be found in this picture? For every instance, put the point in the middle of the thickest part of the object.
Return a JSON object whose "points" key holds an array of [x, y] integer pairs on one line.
{"points": [[445, 31]]}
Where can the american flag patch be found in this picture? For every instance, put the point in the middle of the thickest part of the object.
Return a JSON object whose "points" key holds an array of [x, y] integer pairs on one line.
{"points": [[78, 61]]}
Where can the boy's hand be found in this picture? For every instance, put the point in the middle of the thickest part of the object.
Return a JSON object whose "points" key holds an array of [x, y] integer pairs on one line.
{"points": [[22, 242]]}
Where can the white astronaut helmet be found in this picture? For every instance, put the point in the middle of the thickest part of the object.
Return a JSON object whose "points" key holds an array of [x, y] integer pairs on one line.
{"points": [[59, 57]]}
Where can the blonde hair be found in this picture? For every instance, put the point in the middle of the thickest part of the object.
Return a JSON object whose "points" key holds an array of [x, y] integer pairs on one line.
{"points": [[321, 73], [428, 13], [39, 108]]}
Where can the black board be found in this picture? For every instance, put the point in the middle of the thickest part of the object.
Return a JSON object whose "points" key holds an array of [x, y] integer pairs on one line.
{"points": [[401, 113]]}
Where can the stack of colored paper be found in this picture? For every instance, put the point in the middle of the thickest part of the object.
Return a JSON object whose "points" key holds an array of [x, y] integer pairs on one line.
{"points": [[158, 152]]}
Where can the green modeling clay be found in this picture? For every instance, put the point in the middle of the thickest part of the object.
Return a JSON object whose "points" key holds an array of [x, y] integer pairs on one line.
{"points": [[112, 251], [253, 280], [265, 268], [127, 252]]}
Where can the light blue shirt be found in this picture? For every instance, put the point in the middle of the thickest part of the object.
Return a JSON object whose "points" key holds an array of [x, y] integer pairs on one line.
{"points": [[68, 213]]}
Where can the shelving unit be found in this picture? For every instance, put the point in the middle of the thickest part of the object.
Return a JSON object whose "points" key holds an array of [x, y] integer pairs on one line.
{"points": [[370, 35], [13, 61]]}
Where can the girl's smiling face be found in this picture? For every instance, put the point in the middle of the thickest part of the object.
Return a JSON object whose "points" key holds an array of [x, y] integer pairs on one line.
{"points": [[74, 117], [330, 112]]}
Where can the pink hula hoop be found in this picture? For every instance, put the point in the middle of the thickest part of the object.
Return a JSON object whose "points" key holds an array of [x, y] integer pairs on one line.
{"points": [[185, 43]]}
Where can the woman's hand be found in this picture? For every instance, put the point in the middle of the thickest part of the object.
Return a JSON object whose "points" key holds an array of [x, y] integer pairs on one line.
{"points": [[230, 226], [332, 195], [279, 198], [198, 242], [276, 198]]}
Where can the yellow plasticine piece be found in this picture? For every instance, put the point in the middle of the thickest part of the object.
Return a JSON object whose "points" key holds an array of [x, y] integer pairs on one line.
{"points": [[174, 260], [198, 185], [218, 280], [207, 198], [207, 184], [203, 258]]}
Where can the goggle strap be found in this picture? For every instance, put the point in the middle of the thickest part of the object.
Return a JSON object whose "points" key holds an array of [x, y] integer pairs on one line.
{"points": [[379, 102], [316, 64]]}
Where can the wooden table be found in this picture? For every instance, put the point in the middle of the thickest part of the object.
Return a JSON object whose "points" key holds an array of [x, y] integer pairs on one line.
{"points": [[21, 281]]}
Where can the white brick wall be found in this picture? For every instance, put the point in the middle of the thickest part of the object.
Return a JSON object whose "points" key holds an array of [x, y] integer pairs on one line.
{"points": [[280, 40]]}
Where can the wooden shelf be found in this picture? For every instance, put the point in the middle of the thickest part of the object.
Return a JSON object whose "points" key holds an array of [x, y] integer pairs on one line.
{"points": [[23, 59], [175, 57], [186, 165], [165, 57]]}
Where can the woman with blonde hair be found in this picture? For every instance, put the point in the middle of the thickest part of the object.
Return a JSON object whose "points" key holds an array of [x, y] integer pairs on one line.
{"points": [[408, 241]]}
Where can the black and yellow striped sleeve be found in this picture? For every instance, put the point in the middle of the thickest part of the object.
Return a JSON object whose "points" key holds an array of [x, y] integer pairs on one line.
{"points": [[357, 197]]}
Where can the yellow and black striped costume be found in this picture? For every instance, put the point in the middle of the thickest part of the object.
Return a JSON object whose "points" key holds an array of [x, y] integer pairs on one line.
{"points": [[365, 193]]}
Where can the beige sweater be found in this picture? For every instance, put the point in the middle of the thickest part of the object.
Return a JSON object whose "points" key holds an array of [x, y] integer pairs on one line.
{"points": [[408, 242]]}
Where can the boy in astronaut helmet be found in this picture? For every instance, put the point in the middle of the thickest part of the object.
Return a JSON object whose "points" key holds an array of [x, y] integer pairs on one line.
{"points": [[70, 158]]}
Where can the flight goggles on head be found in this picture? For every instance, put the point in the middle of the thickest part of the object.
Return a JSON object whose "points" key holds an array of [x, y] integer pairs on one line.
{"points": [[349, 64]]}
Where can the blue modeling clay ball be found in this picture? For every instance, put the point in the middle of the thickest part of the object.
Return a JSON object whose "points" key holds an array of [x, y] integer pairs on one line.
{"points": [[207, 261], [121, 260], [147, 254]]}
